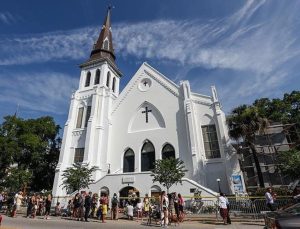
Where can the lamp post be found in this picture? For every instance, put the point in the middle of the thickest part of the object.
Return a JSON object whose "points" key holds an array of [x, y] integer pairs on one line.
{"points": [[218, 180]]}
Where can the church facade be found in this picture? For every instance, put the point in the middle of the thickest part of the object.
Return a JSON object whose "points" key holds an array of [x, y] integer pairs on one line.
{"points": [[123, 133]]}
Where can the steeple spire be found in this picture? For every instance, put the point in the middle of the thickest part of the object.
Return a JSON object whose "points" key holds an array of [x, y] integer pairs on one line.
{"points": [[103, 48]]}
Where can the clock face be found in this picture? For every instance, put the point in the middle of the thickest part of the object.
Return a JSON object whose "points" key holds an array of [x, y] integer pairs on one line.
{"points": [[145, 84]]}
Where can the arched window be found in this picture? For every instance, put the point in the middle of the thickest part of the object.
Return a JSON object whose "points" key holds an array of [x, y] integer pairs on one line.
{"points": [[106, 44], [114, 84], [97, 77], [148, 157], [128, 162], [168, 151], [108, 79], [87, 79]]}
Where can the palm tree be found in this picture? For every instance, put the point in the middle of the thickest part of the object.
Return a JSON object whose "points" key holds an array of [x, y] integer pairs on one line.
{"points": [[244, 123]]}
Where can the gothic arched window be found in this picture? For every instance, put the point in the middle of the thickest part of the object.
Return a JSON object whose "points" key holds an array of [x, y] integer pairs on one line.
{"points": [[97, 77], [106, 44], [114, 84], [88, 79], [108, 79], [148, 157], [128, 161], [168, 152]]}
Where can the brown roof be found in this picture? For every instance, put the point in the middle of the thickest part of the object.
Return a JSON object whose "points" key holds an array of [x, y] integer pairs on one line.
{"points": [[100, 50]]}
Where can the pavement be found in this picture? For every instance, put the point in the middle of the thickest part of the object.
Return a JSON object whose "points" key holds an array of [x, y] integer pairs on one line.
{"points": [[21, 222]]}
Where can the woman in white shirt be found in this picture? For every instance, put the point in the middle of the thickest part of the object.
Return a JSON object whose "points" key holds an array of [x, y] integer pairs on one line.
{"points": [[223, 207], [164, 205]]}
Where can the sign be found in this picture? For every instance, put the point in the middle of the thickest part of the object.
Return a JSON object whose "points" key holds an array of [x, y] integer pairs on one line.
{"points": [[237, 183], [126, 180]]}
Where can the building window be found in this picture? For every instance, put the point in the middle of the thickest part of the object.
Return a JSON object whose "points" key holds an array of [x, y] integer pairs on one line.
{"points": [[106, 44], [97, 77], [148, 157], [210, 139], [114, 84], [108, 79], [88, 79], [79, 117], [128, 163], [79, 153], [88, 114], [168, 152]]}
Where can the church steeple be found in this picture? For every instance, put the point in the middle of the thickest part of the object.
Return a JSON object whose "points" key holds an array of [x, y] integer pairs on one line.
{"points": [[103, 48]]}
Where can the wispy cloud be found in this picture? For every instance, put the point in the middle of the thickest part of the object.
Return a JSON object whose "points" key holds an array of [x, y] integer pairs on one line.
{"points": [[39, 92], [7, 18]]}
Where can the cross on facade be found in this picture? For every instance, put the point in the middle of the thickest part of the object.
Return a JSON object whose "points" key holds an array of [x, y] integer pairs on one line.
{"points": [[145, 83], [146, 111]]}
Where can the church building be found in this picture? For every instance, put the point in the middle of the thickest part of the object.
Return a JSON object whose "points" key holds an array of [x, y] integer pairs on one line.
{"points": [[123, 132]]}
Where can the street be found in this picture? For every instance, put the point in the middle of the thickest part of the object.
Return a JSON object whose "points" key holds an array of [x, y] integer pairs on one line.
{"points": [[23, 223]]}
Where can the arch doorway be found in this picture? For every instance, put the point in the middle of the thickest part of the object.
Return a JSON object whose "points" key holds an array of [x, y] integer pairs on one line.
{"points": [[155, 192], [129, 193]]}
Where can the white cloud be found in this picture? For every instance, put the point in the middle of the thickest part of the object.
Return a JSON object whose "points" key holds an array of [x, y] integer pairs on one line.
{"points": [[45, 91], [7, 18]]}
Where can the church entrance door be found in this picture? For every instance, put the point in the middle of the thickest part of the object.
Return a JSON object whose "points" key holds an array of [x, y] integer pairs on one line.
{"points": [[129, 193]]}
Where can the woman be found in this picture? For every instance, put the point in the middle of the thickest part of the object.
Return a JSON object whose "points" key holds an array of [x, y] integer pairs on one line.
{"points": [[48, 206], [146, 206], [180, 207], [104, 203], [139, 208], [34, 206], [223, 208], [164, 204], [76, 205]]}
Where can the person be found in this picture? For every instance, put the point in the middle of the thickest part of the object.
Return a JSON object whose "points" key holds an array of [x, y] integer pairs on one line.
{"points": [[114, 207], [176, 205], [29, 206], [58, 209], [80, 206], [34, 206], [139, 208], [223, 208], [146, 205], [164, 204], [76, 205], [1, 201], [130, 210], [94, 205], [269, 199], [228, 209], [87, 205], [104, 203], [17, 202], [48, 206], [180, 207]]}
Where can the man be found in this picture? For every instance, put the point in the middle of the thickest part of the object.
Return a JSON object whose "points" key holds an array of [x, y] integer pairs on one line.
{"points": [[1, 200], [114, 207], [81, 206], [269, 199], [17, 202], [223, 207], [87, 205]]}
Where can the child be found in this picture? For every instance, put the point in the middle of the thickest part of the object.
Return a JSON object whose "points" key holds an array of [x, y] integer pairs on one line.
{"points": [[130, 211]]}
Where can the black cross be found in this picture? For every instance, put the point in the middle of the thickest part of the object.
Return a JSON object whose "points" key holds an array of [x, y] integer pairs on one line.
{"points": [[145, 83], [146, 111]]}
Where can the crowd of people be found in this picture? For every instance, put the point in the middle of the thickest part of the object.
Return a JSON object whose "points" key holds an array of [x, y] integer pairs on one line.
{"points": [[86, 205]]}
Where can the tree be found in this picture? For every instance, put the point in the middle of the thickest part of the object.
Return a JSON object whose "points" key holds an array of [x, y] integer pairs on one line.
{"points": [[17, 179], [290, 163], [77, 177], [168, 172], [244, 123], [31, 145]]}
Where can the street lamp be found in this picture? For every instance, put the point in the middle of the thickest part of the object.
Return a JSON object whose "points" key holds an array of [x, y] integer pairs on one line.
{"points": [[218, 180]]}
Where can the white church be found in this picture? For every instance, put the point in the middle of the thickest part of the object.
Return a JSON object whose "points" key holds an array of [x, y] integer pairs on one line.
{"points": [[123, 133]]}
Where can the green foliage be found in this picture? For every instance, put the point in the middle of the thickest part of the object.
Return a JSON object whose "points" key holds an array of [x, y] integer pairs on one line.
{"points": [[17, 179], [168, 172], [31, 145], [77, 177], [290, 163], [280, 191]]}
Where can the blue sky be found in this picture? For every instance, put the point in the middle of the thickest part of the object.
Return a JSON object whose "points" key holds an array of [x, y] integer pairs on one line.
{"points": [[248, 49]]}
